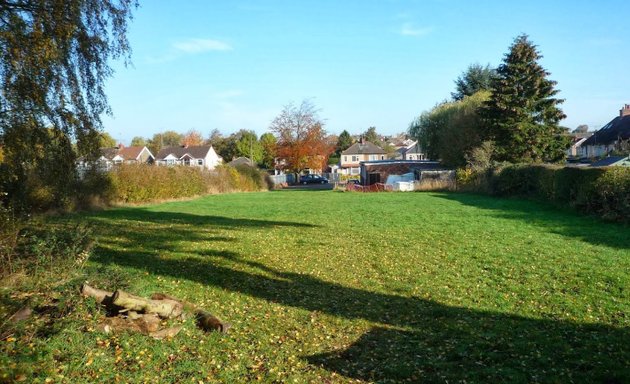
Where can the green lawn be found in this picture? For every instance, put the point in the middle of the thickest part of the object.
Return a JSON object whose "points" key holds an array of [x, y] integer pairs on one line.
{"points": [[336, 287]]}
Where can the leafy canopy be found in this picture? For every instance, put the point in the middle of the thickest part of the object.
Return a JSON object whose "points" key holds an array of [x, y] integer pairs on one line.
{"points": [[53, 65], [371, 136], [451, 130], [301, 137], [247, 145], [268, 142]]}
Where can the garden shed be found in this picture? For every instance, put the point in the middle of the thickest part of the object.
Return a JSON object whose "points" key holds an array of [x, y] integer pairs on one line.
{"points": [[373, 172]]}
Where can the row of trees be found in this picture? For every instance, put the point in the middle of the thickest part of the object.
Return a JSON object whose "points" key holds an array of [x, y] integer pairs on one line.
{"points": [[511, 111], [297, 136]]}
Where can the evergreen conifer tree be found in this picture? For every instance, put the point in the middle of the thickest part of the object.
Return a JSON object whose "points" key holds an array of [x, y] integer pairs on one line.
{"points": [[522, 115], [343, 142]]}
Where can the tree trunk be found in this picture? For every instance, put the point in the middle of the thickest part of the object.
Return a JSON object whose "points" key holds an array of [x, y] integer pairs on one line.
{"points": [[165, 308], [98, 294]]}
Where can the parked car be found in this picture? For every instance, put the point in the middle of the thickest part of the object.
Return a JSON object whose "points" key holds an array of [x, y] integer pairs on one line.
{"points": [[313, 179]]}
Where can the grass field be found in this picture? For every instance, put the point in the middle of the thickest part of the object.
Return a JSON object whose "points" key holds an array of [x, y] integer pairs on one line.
{"points": [[335, 287]]}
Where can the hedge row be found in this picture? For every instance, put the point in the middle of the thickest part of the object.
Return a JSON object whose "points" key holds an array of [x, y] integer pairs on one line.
{"points": [[601, 191], [144, 183]]}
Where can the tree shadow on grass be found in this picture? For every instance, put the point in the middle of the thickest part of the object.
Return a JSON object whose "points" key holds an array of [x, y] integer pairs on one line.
{"points": [[553, 219], [414, 339], [163, 217]]}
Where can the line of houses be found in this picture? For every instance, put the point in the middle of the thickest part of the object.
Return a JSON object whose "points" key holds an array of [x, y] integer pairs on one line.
{"points": [[409, 155], [203, 156]]}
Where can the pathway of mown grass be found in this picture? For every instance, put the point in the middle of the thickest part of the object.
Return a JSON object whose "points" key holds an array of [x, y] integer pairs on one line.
{"points": [[329, 286]]}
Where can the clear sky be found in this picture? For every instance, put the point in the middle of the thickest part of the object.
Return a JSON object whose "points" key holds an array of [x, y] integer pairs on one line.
{"points": [[230, 65]]}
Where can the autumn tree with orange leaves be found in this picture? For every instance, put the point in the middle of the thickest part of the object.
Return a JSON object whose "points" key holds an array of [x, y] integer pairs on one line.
{"points": [[301, 137], [192, 138]]}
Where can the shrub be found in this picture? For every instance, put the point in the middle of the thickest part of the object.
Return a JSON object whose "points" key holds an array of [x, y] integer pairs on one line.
{"points": [[35, 247], [261, 179], [144, 183], [611, 194], [601, 191]]}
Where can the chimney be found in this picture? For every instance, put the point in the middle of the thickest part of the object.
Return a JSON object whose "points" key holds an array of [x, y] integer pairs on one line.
{"points": [[362, 140], [120, 146], [625, 111]]}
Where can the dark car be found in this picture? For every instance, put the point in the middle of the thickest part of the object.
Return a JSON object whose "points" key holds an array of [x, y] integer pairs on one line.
{"points": [[313, 179]]}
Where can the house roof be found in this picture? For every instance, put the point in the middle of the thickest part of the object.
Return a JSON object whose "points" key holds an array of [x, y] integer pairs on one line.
{"points": [[363, 148], [617, 128], [195, 151], [125, 153], [130, 153], [109, 153], [241, 161], [414, 149], [608, 161]]}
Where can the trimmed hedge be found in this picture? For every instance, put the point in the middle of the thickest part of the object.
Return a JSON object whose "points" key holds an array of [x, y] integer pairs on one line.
{"points": [[601, 191]]}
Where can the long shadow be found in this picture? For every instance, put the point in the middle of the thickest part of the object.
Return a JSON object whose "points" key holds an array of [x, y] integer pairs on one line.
{"points": [[162, 217], [555, 220], [416, 340]]}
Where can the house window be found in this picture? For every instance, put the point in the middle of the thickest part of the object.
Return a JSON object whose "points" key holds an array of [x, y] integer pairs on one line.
{"points": [[199, 161], [382, 157], [170, 162], [345, 159], [187, 161], [355, 159]]}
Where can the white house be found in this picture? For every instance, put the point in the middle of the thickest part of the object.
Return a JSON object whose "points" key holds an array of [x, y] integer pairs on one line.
{"points": [[119, 155], [412, 151], [194, 156]]}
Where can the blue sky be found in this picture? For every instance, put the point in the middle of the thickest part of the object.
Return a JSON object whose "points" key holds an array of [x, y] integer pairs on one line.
{"points": [[230, 65]]}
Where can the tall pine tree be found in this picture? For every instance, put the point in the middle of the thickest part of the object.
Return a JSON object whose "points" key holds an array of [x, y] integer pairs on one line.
{"points": [[522, 114]]}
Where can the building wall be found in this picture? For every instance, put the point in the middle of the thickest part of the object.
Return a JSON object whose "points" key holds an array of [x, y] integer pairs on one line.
{"points": [[212, 159], [598, 150], [354, 160], [145, 156], [414, 156]]}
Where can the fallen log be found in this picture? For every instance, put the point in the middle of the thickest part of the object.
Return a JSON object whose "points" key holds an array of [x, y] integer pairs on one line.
{"points": [[142, 314], [164, 308], [101, 296]]}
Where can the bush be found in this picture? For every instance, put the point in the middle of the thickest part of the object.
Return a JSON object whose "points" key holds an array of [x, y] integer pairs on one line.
{"points": [[144, 183], [32, 247], [611, 194], [260, 179], [601, 191]]}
